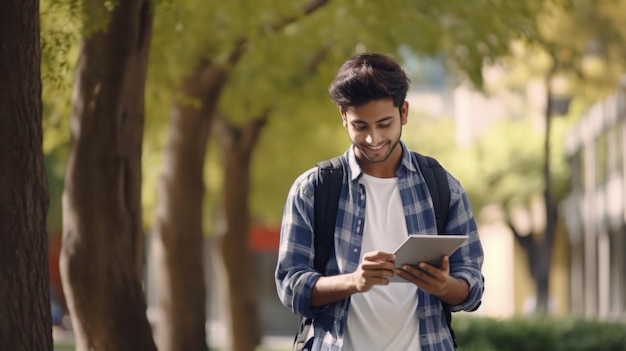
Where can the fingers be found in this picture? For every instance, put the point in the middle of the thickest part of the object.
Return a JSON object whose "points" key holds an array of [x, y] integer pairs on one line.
{"points": [[375, 269], [445, 264], [379, 256], [431, 279], [444, 268], [422, 273], [365, 279], [378, 268], [374, 265], [380, 263]]}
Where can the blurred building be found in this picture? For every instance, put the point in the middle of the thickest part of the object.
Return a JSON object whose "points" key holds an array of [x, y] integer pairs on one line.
{"points": [[595, 210]]}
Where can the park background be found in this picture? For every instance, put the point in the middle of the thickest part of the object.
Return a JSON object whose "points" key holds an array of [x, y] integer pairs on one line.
{"points": [[172, 131]]}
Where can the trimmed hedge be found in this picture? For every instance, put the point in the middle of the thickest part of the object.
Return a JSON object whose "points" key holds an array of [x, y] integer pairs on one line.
{"points": [[538, 334]]}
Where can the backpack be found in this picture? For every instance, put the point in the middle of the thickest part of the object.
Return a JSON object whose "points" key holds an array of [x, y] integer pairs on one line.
{"points": [[328, 189]]}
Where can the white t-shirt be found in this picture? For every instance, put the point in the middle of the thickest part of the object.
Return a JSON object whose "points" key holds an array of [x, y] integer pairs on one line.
{"points": [[384, 318]]}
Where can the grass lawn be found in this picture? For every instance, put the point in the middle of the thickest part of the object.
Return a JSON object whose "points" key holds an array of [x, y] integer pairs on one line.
{"points": [[63, 347]]}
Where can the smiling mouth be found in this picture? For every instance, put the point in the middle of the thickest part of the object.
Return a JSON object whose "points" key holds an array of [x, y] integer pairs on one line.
{"points": [[376, 148]]}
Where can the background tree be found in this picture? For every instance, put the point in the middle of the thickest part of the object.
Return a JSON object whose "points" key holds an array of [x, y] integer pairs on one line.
{"points": [[102, 253], [25, 322], [505, 166], [178, 226], [596, 33]]}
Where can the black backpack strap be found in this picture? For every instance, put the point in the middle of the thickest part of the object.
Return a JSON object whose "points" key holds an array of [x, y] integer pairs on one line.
{"points": [[325, 206], [326, 203], [437, 182]]}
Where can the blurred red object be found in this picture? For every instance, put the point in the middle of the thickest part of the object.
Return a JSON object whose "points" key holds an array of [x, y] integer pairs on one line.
{"points": [[262, 238]]}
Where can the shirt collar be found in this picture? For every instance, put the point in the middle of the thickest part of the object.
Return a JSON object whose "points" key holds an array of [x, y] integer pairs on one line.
{"points": [[406, 163]]}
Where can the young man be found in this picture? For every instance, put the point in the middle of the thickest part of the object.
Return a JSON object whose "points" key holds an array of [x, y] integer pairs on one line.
{"points": [[384, 198]]}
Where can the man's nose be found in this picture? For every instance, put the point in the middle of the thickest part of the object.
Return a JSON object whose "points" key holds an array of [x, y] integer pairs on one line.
{"points": [[372, 138]]}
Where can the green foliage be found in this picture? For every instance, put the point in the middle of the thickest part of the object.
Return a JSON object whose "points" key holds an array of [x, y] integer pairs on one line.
{"points": [[293, 141], [286, 71], [59, 47], [510, 159], [58, 39], [538, 334], [502, 166], [593, 51], [437, 138]]}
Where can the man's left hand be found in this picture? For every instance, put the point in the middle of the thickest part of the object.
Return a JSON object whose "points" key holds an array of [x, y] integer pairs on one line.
{"points": [[436, 281], [431, 279]]}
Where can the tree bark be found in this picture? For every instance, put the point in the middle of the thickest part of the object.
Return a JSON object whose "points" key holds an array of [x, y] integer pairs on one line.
{"points": [[542, 277], [102, 251], [25, 322], [177, 233], [539, 254], [237, 145]]}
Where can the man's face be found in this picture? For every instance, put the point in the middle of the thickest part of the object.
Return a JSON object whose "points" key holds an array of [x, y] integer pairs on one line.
{"points": [[375, 129]]}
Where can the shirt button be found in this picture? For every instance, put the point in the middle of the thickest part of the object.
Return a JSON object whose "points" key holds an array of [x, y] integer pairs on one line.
{"points": [[356, 250]]}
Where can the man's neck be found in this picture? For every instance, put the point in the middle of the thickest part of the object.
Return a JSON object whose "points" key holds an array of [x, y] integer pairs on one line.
{"points": [[384, 169]]}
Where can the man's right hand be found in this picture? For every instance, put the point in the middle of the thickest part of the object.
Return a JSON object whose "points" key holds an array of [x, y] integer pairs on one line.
{"points": [[375, 269]]}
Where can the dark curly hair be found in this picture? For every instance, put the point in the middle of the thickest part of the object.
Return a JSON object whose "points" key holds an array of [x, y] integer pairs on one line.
{"points": [[366, 77]]}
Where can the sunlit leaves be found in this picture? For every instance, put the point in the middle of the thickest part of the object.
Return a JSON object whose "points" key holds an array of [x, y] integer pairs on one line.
{"points": [[285, 70], [59, 43]]}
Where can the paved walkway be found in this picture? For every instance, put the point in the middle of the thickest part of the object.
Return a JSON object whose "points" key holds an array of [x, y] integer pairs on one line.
{"points": [[63, 336]]}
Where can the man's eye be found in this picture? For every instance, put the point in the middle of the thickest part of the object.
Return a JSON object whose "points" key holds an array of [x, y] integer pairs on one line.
{"points": [[358, 126], [383, 126]]}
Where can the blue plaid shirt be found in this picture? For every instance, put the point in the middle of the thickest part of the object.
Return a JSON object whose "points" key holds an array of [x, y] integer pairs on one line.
{"points": [[295, 275]]}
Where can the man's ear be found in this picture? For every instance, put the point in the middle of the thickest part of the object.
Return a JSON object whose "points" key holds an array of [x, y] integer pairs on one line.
{"points": [[344, 118], [404, 112]]}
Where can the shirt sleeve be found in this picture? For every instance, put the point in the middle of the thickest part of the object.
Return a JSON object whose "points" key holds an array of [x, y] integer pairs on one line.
{"points": [[466, 262], [295, 275]]}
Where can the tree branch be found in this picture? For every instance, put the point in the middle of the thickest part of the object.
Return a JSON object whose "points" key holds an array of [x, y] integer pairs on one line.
{"points": [[307, 10], [225, 130], [244, 138], [525, 240], [319, 57], [252, 130]]}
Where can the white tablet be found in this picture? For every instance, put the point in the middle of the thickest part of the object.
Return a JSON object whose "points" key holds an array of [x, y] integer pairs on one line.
{"points": [[426, 248]]}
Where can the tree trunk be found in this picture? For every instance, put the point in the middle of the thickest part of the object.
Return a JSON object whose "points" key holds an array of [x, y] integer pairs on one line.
{"points": [[542, 277], [177, 233], [539, 250], [237, 145], [102, 251], [25, 323]]}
